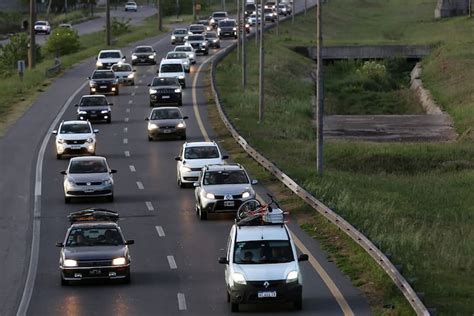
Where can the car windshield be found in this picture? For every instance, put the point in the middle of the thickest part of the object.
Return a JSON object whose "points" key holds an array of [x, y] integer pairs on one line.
{"points": [[249, 7], [88, 166], [75, 129], [131, 3], [211, 35], [109, 55], [184, 49], [219, 15], [40, 23], [263, 252], [201, 152], [103, 75], [143, 50], [180, 32], [196, 28], [93, 101], [121, 67], [94, 236], [171, 68], [166, 114], [176, 56], [268, 10], [226, 23], [164, 82], [195, 38], [225, 177]]}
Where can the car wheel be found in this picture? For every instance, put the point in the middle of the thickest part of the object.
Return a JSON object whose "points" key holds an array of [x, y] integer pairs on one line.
{"points": [[180, 103], [298, 303], [150, 138], [183, 137], [202, 214], [58, 156], [180, 183], [228, 297], [116, 92], [206, 53], [132, 83], [128, 278], [110, 198], [64, 282], [234, 307], [218, 46], [67, 200], [184, 85]]}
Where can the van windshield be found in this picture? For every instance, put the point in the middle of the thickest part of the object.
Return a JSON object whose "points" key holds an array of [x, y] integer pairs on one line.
{"points": [[263, 252]]}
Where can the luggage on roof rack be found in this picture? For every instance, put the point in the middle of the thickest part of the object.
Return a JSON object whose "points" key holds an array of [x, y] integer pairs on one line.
{"points": [[93, 215], [274, 216]]}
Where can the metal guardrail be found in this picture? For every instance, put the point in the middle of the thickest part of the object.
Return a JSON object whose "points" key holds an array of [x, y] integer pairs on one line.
{"points": [[51, 71], [379, 257]]}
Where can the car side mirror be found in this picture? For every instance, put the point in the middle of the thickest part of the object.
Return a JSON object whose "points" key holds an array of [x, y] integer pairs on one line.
{"points": [[113, 171], [223, 260], [54, 132], [76, 104], [225, 157], [96, 57], [59, 244], [96, 131], [147, 118], [63, 172], [196, 184], [111, 104], [134, 70], [185, 117], [254, 181], [303, 257], [178, 158], [148, 85], [89, 78], [129, 242], [124, 57]]}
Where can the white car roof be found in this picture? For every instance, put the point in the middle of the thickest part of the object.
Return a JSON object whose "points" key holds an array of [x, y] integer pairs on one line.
{"points": [[92, 96], [170, 61], [88, 158], [76, 122], [266, 232], [226, 167], [110, 51], [199, 144]]}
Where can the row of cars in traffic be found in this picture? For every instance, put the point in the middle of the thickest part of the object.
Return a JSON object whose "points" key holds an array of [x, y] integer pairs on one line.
{"points": [[261, 262]]}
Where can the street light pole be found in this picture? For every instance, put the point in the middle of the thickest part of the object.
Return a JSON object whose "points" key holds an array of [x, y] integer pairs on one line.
{"points": [[239, 29], [261, 90], [257, 17], [32, 48], [244, 57], [107, 23], [194, 11], [293, 12], [160, 16], [319, 92]]}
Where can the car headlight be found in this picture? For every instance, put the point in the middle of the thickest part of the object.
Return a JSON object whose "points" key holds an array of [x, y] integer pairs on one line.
{"points": [[60, 141], [180, 125], [215, 40], [235, 29], [186, 63], [134, 57], [130, 76], [184, 168], [178, 90], [239, 278], [210, 196], [152, 91], [152, 126], [119, 261], [90, 139], [173, 37], [104, 111], [191, 56], [98, 64], [92, 83], [218, 29], [247, 25], [151, 56], [181, 77], [70, 263], [212, 20], [246, 194], [70, 181], [108, 182], [292, 276]]}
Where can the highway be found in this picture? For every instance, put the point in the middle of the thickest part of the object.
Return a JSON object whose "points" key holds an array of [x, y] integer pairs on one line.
{"points": [[175, 268]]}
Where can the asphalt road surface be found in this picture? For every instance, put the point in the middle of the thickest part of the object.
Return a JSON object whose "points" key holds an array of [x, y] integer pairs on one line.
{"points": [[175, 269]]}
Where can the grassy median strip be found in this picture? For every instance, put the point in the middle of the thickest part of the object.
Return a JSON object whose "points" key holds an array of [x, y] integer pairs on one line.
{"points": [[414, 200]]}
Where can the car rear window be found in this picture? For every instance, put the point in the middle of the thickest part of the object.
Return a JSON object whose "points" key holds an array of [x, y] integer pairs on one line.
{"points": [[121, 67], [88, 166], [171, 68], [225, 177], [263, 252], [75, 129], [201, 152]]}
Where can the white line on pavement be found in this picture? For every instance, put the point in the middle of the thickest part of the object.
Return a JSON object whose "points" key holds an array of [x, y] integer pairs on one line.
{"points": [[172, 263], [132, 168], [130, 101], [133, 94], [136, 87], [125, 140], [127, 110], [126, 153], [149, 206], [181, 302], [126, 119], [140, 81], [140, 185], [125, 129], [160, 231]]}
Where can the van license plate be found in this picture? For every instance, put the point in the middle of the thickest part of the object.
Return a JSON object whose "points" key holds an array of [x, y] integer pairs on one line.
{"points": [[103, 87], [229, 203], [267, 294]]}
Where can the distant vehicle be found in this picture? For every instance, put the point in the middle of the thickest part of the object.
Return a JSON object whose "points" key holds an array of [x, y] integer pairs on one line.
{"points": [[94, 108], [227, 28], [94, 248], [103, 81], [222, 189], [213, 40], [171, 68], [250, 9], [181, 56], [165, 91], [75, 137], [124, 73], [131, 6], [65, 26], [88, 176], [179, 36], [107, 58], [199, 43], [144, 55], [269, 14], [188, 50], [193, 157], [42, 27], [270, 5], [166, 122], [196, 29], [284, 9], [216, 17]]}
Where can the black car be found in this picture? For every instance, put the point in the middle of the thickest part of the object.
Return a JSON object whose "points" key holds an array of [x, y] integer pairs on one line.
{"points": [[197, 29], [166, 122], [213, 40], [165, 90], [250, 9], [144, 55], [227, 28], [103, 81], [94, 248], [94, 108]]}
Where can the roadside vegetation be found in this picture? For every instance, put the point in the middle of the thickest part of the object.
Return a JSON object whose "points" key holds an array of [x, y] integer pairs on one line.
{"points": [[412, 199]]}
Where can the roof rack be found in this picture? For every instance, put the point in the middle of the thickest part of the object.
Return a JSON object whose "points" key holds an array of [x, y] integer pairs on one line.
{"points": [[273, 216], [93, 215]]}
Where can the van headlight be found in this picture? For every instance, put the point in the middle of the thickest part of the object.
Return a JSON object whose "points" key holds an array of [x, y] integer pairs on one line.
{"points": [[60, 141], [119, 261], [210, 196], [239, 278], [153, 91], [178, 90], [246, 194], [130, 76], [70, 263], [180, 125], [292, 276], [98, 64], [181, 77], [152, 126], [186, 169], [134, 57], [90, 140], [173, 37]]}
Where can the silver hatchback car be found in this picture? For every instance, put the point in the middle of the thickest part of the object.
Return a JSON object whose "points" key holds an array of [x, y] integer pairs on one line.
{"points": [[88, 176]]}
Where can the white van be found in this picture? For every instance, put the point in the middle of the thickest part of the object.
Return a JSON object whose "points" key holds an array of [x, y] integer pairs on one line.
{"points": [[173, 68]]}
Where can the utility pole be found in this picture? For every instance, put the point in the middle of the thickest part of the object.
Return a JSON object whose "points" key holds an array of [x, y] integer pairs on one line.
{"points": [[257, 17], [32, 48], [470, 8], [306, 5], [319, 92], [293, 12], [107, 23], [160, 16], [261, 90], [244, 57], [194, 10], [239, 29], [278, 18]]}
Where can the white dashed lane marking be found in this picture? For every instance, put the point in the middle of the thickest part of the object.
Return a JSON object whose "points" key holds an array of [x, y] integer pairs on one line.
{"points": [[130, 101], [140, 185], [136, 87], [126, 119], [160, 231], [181, 302], [127, 110], [172, 263], [132, 168], [125, 129], [133, 94], [126, 153], [125, 140], [149, 206]]}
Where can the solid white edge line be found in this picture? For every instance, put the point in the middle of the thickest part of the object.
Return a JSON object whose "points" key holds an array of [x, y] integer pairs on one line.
{"points": [[127, 110], [149, 206], [126, 153], [140, 185], [181, 302], [35, 242], [160, 231], [172, 262]]}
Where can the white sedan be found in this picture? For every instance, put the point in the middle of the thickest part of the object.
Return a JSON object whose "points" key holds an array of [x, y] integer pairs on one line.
{"points": [[181, 56], [189, 50]]}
